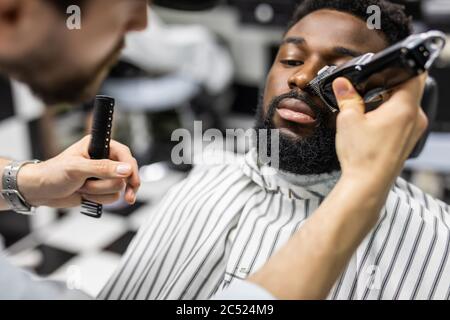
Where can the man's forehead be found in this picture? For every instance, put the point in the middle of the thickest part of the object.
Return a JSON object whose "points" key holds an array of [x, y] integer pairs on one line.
{"points": [[331, 28]]}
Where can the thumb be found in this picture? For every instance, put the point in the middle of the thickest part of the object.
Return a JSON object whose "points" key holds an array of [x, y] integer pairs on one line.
{"points": [[103, 169], [347, 97]]}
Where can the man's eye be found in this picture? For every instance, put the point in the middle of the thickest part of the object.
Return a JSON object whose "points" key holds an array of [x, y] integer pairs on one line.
{"points": [[292, 63]]}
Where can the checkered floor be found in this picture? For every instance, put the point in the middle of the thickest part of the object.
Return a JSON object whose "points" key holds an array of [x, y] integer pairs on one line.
{"points": [[82, 251]]}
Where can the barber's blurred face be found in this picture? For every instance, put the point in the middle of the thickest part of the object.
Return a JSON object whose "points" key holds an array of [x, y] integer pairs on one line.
{"points": [[307, 127], [59, 64]]}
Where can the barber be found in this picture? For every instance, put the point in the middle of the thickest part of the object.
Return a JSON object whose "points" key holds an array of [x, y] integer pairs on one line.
{"points": [[371, 147]]}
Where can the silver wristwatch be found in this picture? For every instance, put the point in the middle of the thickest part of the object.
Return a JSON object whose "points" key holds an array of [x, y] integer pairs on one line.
{"points": [[10, 190]]}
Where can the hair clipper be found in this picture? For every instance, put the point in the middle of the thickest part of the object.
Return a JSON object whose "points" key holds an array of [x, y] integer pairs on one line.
{"points": [[375, 75]]}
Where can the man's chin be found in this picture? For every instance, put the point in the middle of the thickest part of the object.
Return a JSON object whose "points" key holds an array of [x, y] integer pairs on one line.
{"points": [[73, 97], [296, 134], [304, 153], [72, 92]]}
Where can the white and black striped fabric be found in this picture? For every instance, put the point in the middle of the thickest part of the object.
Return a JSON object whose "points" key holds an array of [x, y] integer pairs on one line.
{"points": [[224, 222]]}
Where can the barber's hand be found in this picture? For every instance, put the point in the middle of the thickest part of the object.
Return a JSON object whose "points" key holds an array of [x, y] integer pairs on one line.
{"points": [[374, 146], [62, 182]]}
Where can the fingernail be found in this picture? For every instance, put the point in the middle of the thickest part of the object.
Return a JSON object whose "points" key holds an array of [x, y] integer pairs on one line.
{"points": [[123, 169], [132, 198], [131, 195], [342, 88]]}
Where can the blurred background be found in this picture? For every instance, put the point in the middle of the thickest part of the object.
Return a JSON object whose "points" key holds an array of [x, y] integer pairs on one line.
{"points": [[207, 66]]}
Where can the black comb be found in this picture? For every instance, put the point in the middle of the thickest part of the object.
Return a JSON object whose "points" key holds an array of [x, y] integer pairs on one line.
{"points": [[99, 145]]}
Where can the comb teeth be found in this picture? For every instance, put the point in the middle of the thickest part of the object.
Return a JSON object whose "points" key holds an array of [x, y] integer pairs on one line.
{"points": [[91, 209]]}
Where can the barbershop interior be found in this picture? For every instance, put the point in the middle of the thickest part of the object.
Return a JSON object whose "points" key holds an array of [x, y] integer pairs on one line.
{"points": [[193, 67]]}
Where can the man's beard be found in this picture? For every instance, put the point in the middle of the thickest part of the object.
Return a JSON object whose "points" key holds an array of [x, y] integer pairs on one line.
{"points": [[77, 89], [315, 154], [74, 88]]}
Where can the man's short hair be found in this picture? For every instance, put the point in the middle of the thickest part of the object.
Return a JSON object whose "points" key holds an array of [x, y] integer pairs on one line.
{"points": [[62, 5], [395, 24]]}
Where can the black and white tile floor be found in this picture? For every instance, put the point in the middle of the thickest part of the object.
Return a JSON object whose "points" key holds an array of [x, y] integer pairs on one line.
{"points": [[82, 251]]}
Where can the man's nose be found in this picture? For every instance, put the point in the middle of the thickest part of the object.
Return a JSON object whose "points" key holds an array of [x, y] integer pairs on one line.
{"points": [[301, 77], [138, 17]]}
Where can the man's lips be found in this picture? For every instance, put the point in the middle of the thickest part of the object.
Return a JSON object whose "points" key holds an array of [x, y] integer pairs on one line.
{"points": [[295, 110]]}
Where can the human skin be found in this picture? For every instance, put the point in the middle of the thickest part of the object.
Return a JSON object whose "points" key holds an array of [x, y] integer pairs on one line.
{"points": [[329, 38]]}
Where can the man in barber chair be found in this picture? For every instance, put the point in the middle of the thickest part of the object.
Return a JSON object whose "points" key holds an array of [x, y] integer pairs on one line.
{"points": [[225, 221], [61, 65]]}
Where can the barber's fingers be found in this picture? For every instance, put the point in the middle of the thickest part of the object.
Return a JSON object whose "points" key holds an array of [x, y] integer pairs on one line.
{"points": [[102, 199], [347, 97], [405, 101], [83, 169], [422, 124], [74, 200], [103, 186], [412, 90], [420, 127], [351, 105], [402, 115], [122, 153], [130, 195]]}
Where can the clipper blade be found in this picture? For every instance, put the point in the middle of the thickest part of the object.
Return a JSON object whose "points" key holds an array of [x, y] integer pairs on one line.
{"points": [[315, 86]]}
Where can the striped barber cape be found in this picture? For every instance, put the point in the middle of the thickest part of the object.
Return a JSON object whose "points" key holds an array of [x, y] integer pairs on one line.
{"points": [[224, 221]]}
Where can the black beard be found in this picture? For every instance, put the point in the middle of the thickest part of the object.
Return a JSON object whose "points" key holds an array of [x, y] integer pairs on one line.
{"points": [[315, 154]]}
